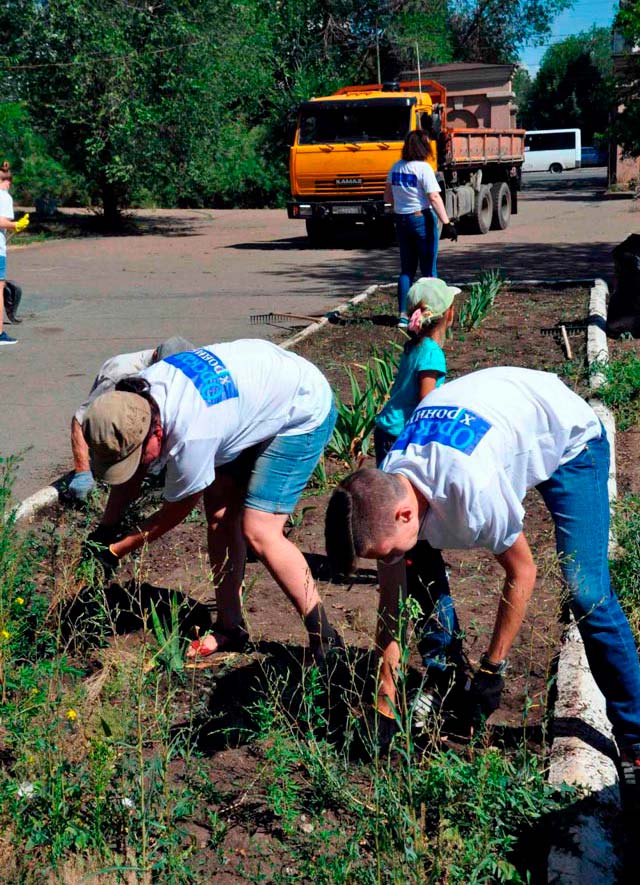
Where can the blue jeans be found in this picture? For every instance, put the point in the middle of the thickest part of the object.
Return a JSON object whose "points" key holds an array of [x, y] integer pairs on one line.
{"points": [[418, 241], [438, 630], [576, 496]]}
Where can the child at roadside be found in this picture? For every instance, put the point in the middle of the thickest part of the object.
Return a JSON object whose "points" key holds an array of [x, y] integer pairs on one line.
{"points": [[6, 224], [423, 367]]}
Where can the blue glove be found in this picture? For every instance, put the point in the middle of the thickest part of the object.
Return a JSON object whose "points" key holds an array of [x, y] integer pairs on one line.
{"points": [[81, 484]]}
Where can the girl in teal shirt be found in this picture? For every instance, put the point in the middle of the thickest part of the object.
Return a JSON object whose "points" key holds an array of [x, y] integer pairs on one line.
{"points": [[422, 368]]}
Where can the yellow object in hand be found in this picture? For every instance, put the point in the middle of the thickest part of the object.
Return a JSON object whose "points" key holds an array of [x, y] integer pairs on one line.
{"points": [[22, 223]]}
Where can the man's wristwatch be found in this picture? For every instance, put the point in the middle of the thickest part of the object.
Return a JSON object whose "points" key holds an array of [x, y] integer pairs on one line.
{"points": [[488, 666]]}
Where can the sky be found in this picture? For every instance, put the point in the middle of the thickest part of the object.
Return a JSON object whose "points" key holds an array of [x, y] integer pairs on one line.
{"points": [[580, 17]]}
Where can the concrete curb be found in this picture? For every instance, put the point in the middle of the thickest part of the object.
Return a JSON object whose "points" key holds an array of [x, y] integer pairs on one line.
{"points": [[31, 506], [576, 758], [342, 308]]}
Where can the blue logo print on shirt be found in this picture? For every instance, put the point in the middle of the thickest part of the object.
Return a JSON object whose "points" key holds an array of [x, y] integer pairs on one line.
{"points": [[451, 426], [208, 373], [406, 178]]}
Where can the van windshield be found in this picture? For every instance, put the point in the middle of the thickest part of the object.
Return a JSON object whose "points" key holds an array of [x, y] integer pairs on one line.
{"points": [[344, 122]]}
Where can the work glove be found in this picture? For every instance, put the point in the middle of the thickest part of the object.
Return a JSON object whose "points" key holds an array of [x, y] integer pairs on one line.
{"points": [[373, 735], [449, 232], [96, 551], [485, 693], [81, 485], [22, 223]]}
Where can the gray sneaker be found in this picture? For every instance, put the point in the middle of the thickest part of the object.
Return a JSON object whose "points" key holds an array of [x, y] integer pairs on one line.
{"points": [[7, 339], [425, 709]]}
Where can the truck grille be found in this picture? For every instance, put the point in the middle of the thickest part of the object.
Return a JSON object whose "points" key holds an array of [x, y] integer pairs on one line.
{"points": [[347, 185]]}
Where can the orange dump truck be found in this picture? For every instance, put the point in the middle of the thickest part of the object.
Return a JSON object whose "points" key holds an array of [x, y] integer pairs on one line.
{"points": [[346, 143]]}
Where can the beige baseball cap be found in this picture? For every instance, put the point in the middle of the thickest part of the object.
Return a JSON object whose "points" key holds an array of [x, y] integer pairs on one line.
{"points": [[433, 293], [115, 425]]}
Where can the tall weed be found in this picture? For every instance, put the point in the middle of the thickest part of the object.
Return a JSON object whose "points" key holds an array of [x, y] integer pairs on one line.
{"points": [[356, 418], [480, 300]]}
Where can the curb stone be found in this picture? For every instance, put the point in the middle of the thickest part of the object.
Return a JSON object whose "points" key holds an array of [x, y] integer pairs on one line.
{"points": [[576, 758], [31, 506]]}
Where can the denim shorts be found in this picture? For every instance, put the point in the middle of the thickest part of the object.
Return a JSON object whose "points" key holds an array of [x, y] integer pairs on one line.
{"points": [[3, 268], [276, 471]]}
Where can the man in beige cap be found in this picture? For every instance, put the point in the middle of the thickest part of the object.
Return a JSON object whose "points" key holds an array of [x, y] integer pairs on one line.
{"points": [[242, 424], [111, 371]]}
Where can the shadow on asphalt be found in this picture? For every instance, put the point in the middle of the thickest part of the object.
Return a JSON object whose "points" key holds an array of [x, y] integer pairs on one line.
{"points": [[518, 261]]}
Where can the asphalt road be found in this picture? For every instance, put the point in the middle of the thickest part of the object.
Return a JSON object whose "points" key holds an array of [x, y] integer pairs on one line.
{"points": [[202, 274]]}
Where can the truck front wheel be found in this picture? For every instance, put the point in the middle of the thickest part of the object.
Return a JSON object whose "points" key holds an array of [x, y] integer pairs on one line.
{"points": [[501, 205], [483, 211]]}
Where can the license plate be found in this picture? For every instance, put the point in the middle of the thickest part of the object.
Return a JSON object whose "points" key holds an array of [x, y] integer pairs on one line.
{"points": [[346, 210]]}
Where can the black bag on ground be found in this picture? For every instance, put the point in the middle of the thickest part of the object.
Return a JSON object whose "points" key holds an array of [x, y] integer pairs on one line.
{"points": [[624, 305], [12, 299]]}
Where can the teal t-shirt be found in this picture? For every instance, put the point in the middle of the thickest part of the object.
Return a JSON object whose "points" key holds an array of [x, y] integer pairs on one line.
{"points": [[427, 356]]}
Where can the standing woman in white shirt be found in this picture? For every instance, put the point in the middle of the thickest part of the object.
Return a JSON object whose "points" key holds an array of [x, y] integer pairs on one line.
{"points": [[6, 223], [414, 194]]}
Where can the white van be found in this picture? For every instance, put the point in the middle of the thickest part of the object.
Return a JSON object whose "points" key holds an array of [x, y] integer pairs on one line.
{"points": [[552, 150]]}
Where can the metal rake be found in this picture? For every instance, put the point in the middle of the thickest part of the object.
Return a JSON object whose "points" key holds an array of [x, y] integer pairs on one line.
{"points": [[280, 317], [571, 329]]}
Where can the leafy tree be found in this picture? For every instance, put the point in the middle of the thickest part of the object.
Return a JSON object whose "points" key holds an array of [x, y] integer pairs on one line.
{"points": [[574, 86], [522, 84], [492, 31], [627, 125], [37, 172]]}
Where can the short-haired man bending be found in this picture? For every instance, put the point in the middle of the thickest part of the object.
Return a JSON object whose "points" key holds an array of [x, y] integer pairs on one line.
{"points": [[457, 477]]}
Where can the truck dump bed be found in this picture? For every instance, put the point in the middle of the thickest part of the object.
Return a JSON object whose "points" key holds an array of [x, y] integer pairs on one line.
{"points": [[473, 146]]}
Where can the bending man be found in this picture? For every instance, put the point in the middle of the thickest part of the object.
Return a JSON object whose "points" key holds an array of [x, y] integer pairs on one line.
{"points": [[457, 476], [243, 424]]}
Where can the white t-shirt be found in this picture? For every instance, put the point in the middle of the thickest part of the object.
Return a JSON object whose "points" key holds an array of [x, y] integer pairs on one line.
{"points": [[219, 400], [113, 370], [6, 211], [474, 447], [411, 181]]}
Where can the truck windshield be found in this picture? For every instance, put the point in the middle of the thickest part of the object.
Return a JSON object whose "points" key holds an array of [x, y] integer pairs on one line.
{"points": [[322, 124]]}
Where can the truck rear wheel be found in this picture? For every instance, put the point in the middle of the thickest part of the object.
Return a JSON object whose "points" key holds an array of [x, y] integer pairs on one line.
{"points": [[482, 214], [501, 205]]}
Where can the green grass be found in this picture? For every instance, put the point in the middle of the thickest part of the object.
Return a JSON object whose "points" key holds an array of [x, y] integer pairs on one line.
{"points": [[625, 568], [621, 388]]}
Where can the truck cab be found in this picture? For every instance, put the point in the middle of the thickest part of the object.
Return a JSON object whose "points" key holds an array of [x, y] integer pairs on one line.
{"points": [[344, 146]]}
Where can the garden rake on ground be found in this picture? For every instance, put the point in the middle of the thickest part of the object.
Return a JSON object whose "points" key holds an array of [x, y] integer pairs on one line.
{"points": [[276, 318]]}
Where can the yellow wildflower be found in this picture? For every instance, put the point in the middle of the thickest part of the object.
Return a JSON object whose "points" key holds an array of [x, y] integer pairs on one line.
{"points": [[72, 715], [5, 634], [19, 600]]}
